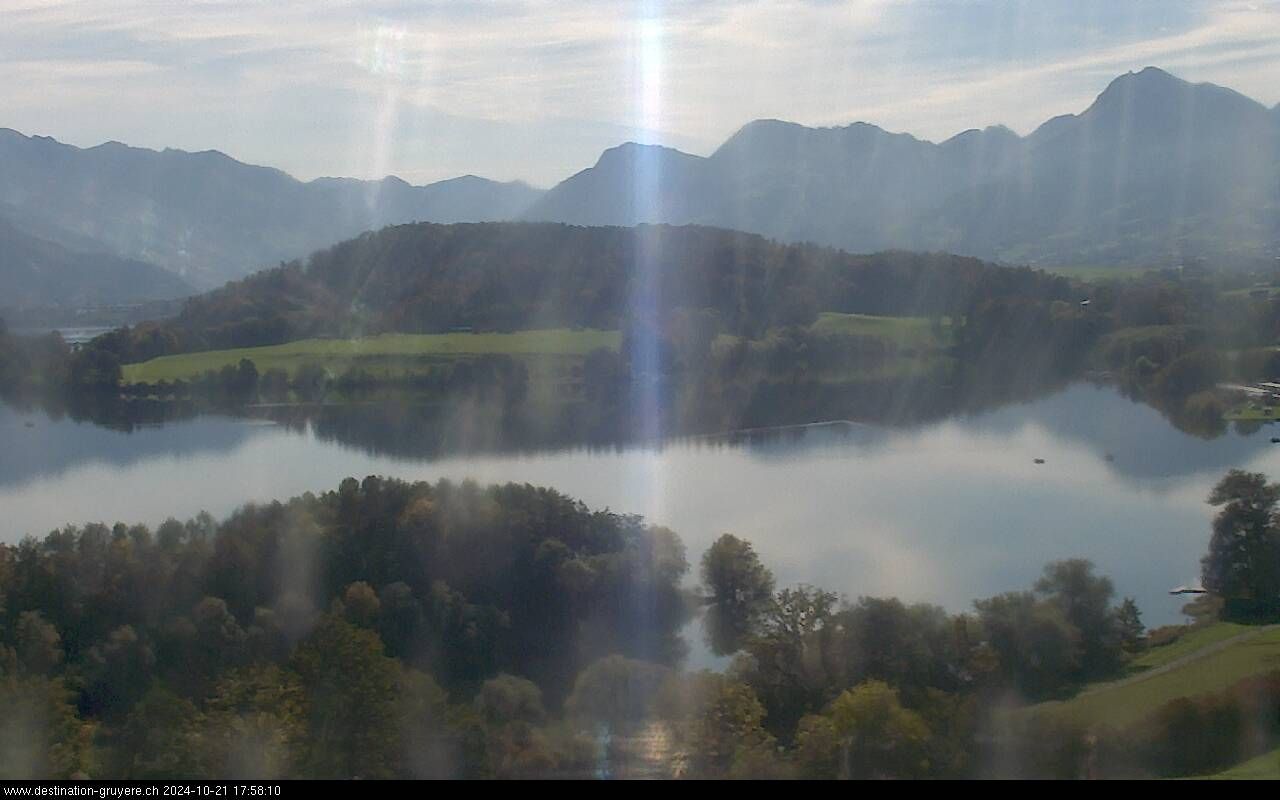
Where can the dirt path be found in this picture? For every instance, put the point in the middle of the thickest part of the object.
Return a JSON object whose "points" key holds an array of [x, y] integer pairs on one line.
{"points": [[1182, 661]]}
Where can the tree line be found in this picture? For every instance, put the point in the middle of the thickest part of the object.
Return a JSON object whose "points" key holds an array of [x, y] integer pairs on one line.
{"points": [[388, 629]]}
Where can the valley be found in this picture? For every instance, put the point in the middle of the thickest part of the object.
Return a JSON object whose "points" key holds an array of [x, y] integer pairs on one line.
{"points": [[827, 451]]}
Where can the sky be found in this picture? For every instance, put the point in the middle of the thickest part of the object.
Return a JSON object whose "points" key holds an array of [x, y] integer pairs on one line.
{"points": [[534, 90]]}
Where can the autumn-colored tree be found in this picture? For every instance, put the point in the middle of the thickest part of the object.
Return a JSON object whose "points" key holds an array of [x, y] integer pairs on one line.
{"points": [[351, 691], [878, 737]]}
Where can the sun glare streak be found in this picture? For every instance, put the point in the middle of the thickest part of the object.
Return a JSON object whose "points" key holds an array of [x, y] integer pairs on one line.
{"points": [[644, 283], [382, 55], [645, 289]]}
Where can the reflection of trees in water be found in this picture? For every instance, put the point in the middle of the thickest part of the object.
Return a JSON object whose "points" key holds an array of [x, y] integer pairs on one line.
{"points": [[413, 429], [492, 417], [1186, 413], [104, 409], [408, 427], [41, 439]]}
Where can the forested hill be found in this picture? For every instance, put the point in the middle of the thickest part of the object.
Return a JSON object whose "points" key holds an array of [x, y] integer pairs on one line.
{"points": [[512, 276]]}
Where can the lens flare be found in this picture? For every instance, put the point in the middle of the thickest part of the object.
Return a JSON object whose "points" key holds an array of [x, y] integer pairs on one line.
{"points": [[645, 289]]}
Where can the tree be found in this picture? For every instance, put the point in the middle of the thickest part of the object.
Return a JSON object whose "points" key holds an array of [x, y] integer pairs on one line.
{"points": [[1189, 374], [878, 737], [739, 592], [1133, 634], [245, 383], [1085, 600], [908, 647], [361, 604], [507, 698], [515, 743], [817, 748], [255, 724], [213, 643], [429, 743], [729, 728], [158, 738], [39, 645], [692, 332], [1037, 648], [40, 735], [91, 368], [616, 691], [788, 655], [351, 691], [119, 671], [1243, 562], [309, 381]]}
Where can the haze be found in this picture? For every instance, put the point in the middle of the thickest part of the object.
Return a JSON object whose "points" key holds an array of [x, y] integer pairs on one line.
{"points": [[535, 90]]}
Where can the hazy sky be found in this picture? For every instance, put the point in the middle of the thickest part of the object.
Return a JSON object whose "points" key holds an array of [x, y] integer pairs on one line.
{"points": [[535, 89]]}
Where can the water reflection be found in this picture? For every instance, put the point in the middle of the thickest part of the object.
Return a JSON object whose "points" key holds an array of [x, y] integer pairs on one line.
{"points": [[941, 512], [39, 446]]}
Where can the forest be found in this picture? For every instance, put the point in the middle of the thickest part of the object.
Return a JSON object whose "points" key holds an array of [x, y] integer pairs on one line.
{"points": [[392, 629], [521, 276]]}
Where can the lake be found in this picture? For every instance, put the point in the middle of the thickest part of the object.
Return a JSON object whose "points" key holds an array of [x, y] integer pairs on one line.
{"points": [[943, 512], [71, 335]]}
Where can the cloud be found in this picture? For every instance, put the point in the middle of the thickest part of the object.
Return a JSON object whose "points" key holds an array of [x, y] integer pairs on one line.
{"points": [[536, 88]]}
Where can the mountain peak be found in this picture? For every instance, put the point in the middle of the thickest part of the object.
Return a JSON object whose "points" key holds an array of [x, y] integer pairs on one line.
{"points": [[1156, 101], [1148, 79], [770, 124], [772, 138], [1153, 74], [628, 152], [992, 133], [1152, 85]]}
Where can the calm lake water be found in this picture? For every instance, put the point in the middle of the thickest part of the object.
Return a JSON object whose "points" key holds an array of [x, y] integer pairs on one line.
{"points": [[945, 512], [71, 335]]}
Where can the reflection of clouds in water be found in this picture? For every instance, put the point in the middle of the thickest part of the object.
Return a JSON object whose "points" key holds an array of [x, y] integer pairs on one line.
{"points": [[945, 513], [876, 561], [1145, 446]]}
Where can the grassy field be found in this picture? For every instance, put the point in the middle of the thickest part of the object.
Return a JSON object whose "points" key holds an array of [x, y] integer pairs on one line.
{"points": [[1186, 644], [914, 332], [1124, 704], [1254, 414], [1094, 273], [389, 354], [1265, 767], [1270, 291]]}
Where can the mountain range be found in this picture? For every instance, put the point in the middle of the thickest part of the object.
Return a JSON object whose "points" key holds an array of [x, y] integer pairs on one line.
{"points": [[206, 216], [35, 272], [1156, 171]]}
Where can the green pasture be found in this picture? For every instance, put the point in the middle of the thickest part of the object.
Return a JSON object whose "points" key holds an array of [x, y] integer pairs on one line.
{"points": [[388, 354]]}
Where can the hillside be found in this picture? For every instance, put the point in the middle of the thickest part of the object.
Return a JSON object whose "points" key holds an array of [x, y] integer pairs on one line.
{"points": [[1213, 660], [430, 278], [36, 272], [1155, 171], [208, 217]]}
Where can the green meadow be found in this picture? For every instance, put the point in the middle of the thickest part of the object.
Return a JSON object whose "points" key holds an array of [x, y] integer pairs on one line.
{"points": [[1127, 701], [916, 332], [391, 354]]}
